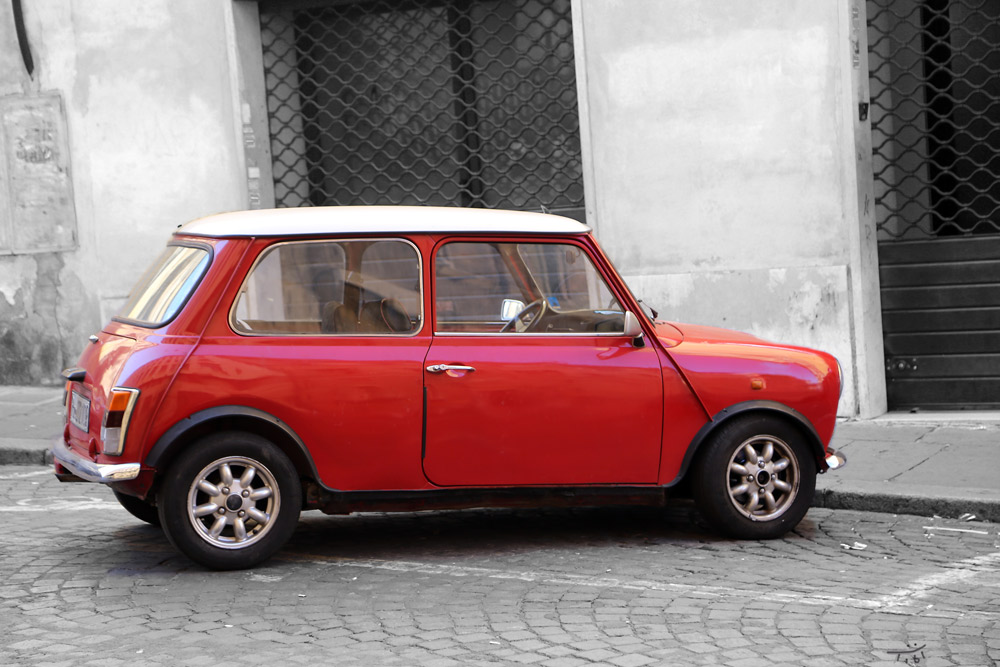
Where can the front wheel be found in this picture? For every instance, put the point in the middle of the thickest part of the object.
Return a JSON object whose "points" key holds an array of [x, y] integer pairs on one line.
{"points": [[756, 478], [231, 501]]}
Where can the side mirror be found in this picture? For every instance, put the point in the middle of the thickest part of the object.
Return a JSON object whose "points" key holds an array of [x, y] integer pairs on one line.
{"points": [[632, 327], [510, 309]]}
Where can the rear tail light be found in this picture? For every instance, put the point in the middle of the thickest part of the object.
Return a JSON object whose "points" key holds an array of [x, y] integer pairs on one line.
{"points": [[116, 418]]}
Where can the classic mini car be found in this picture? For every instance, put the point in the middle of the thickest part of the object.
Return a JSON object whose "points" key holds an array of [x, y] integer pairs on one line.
{"points": [[403, 358]]}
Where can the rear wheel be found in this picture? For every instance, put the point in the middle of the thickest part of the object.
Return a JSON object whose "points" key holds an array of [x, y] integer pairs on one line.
{"points": [[231, 501], [756, 478], [138, 508]]}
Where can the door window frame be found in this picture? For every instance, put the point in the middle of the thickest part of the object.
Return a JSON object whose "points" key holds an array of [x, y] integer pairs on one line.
{"points": [[595, 261], [231, 320]]}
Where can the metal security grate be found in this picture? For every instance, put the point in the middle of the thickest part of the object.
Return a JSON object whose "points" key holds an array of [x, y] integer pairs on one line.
{"points": [[935, 110], [465, 103], [935, 113]]}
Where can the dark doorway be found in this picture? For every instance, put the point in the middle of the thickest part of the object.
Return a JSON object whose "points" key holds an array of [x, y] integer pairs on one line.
{"points": [[935, 114], [464, 103]]}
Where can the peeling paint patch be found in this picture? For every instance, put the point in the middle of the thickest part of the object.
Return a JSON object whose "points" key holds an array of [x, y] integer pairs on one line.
{"points": [[812, 305], [776, 277], [7, 289], [16, 274], [45, 317]]}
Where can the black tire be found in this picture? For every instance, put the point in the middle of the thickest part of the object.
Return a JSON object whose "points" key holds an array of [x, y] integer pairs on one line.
{"points": [[138, 508], [720, 475], [253, 521]]}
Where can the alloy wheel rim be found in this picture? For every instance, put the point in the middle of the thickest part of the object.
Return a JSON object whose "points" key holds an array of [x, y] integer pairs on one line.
{"points": [[763, 478], [233, 502]]}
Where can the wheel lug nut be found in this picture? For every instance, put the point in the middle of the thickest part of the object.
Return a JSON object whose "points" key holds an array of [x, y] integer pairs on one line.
{"points": [[225, 489], [222, 510], [241, 513], [245, 494]]}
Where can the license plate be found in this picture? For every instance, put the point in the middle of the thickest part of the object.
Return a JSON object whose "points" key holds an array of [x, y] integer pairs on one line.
{"points": [[79, 412]]}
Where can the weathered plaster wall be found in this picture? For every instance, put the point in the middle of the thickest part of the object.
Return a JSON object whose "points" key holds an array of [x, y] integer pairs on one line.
{"points": [[154, 138], [720, 145], [720, 140]]}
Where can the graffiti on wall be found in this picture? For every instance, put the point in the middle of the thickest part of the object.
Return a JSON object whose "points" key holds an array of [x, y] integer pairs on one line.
{"points": [[38, 213]]}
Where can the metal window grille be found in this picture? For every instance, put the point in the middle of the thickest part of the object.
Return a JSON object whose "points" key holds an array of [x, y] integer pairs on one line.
{"points": [[935, 110], [467, 103]]}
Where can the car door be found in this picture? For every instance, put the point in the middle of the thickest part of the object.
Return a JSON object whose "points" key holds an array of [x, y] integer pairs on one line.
{"points": [[557, 395], [327, 336]]}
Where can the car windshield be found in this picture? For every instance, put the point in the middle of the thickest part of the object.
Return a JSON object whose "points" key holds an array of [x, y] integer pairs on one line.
{"points": [[166, 286]]}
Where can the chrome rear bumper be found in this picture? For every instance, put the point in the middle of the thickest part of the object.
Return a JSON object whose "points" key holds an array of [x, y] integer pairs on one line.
{"points": [[835, 459], [90, 471]]}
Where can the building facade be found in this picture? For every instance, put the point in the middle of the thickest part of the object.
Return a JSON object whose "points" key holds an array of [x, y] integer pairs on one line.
{"points": [[723, 153]]}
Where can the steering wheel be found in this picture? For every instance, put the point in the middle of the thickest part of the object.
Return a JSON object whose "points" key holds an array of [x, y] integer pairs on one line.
{"points": [[528, 318]]}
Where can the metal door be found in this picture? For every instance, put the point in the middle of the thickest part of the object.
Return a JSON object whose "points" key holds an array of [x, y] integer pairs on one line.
{"points": [[467, 103], [935, 115]]}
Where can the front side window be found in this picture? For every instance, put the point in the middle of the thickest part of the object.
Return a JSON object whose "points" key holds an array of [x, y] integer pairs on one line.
{"points": [[522, 288], [362, 287], [166, 286]]}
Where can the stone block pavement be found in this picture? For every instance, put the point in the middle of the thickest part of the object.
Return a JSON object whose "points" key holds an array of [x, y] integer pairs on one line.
{"points": [[84, 583], [944, 464]]}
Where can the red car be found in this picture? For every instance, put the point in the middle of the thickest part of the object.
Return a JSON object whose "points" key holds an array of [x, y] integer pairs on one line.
{"points": [[394, 358]]}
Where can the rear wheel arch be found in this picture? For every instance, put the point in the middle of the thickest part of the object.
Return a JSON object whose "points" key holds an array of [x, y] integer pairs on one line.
{"points": [[232, 503], [190, 430]]}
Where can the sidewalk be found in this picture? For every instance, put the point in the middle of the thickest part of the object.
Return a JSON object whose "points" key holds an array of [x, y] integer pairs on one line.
{"points": [[946, 464], [30, 419]]}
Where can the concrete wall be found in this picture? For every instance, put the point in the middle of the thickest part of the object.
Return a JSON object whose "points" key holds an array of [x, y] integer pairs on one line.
{"points": [[150, 94], [723, 148]]}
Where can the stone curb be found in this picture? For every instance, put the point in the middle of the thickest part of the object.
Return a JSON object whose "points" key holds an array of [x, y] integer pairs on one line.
{"points": [[25, 456], [949, 508]]}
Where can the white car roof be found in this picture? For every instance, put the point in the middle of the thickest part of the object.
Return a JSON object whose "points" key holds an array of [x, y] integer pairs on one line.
{"points": [[310, 221]]}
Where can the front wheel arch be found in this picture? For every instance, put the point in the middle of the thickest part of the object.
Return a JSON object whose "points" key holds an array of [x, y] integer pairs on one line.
{"points": [[755, 478], [747, 408]]}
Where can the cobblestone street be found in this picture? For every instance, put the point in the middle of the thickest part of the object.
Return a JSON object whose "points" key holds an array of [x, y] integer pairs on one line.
{"points": [[84, 583]]}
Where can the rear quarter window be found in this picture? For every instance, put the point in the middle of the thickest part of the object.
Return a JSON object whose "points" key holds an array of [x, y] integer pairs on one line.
{"points": [[350, 287], [165, 287]]}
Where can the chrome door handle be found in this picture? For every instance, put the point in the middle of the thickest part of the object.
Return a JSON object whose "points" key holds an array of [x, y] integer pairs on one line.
{"points": [[441, 368]]}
